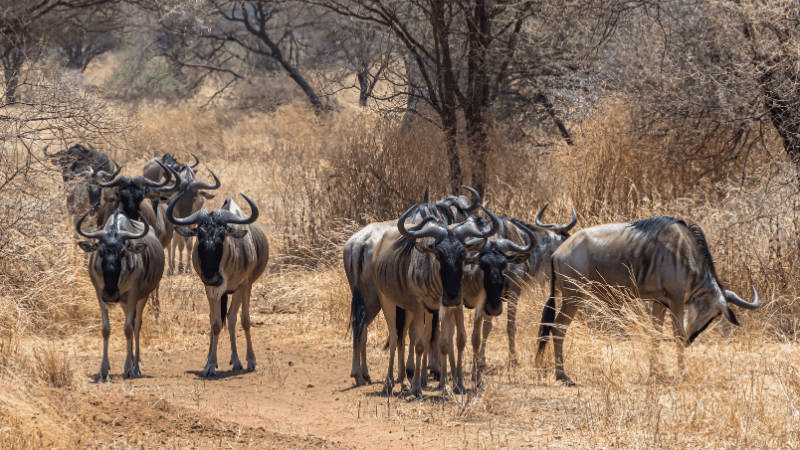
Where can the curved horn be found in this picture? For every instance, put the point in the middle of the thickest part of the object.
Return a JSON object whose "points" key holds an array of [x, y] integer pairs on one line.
{"points": [[86, 172], [567, 227], [129, 235], [178, 182], [434, 231], [94, 235], [196, 162], [197, 185], [143, 182], [476, 200], [731, 297], [538, 220], [509, 245], [425, 196], [122, 181], [468, 229], [233, 218], [191, 220], [103, 174]]}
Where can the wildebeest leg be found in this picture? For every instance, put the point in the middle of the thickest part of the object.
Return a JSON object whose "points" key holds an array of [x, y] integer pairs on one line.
{"points": [[188, 244], [447, 319], [156, 304], [420, 346], [245, 291], [569, 307], [658, 313], [215, 316], [409, 366], [130, 303], [401, 350], [137, 327], [511, 326], [173, 247], [461, 342], [373, 308], [104, 365], [680, 336], [477, 327], [390, 315], [488, 326], [432, 328], [232, 311]]}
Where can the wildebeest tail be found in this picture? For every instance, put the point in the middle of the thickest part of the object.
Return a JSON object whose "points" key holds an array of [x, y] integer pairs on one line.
{"points": [[434, 328], [399, 324], [224, 302], [548, 314], [358, 314]]}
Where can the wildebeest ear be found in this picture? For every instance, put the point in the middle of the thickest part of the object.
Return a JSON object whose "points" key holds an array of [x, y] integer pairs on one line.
{"points": [[518, 258], [206, 195], [424, 248], [87, 246], [236, 232], [137, 248], [186, 231], [728, 313]]}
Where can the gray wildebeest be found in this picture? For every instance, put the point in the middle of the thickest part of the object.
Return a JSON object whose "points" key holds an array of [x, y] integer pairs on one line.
{"points": [[191, 200], [153, 171], [422, 269], [230, 254], [660, 258], [126, 265], [535, 269], [357, 254]]}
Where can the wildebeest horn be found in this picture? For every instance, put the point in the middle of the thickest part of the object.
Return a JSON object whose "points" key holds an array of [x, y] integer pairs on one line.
{"points": [[178, 181], [103, 174], [476, 200], [435, 231], [94, 235], [425, 195], [197, 185], [196, 162], [88, 171], [191, 220], [555, 227], [731, 297], [128, 235], [143, 182], [567, 227], [233, 218], [505, 244], [468, 229], [122, 181]]}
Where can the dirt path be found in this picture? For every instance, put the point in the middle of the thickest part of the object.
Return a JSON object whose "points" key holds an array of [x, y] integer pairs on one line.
{"points": [[301, 398]]}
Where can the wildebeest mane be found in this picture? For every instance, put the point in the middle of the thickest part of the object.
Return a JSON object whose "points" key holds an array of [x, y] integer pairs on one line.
{"points": [[651, 226], [702, 245]]}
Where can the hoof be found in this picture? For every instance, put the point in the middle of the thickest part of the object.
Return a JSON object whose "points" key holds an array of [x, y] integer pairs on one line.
{"points": [[366, 378], [566, 381], [237, 365], [459, 390], [252, 366], [416, 392], [360, 381], [210, 371]]}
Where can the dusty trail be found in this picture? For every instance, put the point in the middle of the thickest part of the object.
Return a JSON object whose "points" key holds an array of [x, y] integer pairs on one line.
{"points": [[301, 397]]}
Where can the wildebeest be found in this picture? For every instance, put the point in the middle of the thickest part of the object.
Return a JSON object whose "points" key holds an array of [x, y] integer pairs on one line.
{"points": [[535, 269], [126, 265], [79, 158], [661, 258], [357, 255], [191, 200], [230, 254], [154, 172], [422, 269]]}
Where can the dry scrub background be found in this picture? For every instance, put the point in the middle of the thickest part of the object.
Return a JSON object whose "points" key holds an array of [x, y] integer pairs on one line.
{"points": [[318, 178]]}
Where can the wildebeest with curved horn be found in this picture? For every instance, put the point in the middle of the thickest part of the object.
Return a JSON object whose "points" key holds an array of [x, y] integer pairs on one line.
{"points": [[422, 269], [153, 171], [357, 256], [536, 269], [78, 159], [126, 265], [230, 254], [660, 258]]}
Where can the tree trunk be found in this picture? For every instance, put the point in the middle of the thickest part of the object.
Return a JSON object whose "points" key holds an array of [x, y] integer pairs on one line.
{"points": [[450, 123], [363, 85], [784, 117], [12, 63]]}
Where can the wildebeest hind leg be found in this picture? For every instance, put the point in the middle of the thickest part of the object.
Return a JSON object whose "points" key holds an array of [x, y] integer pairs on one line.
{"points": [[461, 342], [104, 365], [569, 307], [137, 327], [477, 327], [130, 317], [234, 309], [511, 326], [244, 291], [390, 315]]}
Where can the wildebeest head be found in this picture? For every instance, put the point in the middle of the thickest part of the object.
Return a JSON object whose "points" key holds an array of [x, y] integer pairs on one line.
{"points": [[191, 196], [77, 159], [459, 205], [709, 299], [211, 230], [493, 259], [450, 247], [113, 243], [131, 192]]}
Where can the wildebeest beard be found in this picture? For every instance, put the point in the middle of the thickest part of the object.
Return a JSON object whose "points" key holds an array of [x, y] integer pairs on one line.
{"points": [[210, 245], [111, 254], [493, 263], [450, 254], [130, 197]]}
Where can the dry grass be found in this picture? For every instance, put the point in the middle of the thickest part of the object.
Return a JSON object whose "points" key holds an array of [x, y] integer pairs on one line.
{"points": [[319, 178]]}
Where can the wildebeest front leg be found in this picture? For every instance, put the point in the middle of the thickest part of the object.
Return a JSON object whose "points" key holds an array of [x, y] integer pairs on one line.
{"points": [[680, 336], [104, 364], [409, 366], [461, 342], [251, 354], [236, 299], [137, 327], [401, 350], [658, 313], [569, 307], [477, 327], [215, 317], [390, 315], [129, 300], [511, 326], [447, 319], [420, 346]]}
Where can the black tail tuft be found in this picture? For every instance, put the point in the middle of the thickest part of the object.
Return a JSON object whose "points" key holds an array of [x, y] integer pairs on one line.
{"points": [[224, 301], [548, 314], [358, 314], [399, 324]]}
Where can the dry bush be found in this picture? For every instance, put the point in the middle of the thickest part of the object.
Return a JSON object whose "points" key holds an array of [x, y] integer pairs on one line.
{"points": [[52, 367]]}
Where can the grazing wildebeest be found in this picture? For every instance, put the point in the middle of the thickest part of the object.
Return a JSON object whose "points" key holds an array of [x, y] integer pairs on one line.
{"points": [[230, 254], [78, 159], [422, 269], [357, 255], [660, 258], [536, 269], [84, 192], [126, 264], [191, 200], [153, 171]]}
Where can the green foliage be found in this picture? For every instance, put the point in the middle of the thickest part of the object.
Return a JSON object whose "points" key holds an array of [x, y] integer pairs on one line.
{"points": [[141, 76]]}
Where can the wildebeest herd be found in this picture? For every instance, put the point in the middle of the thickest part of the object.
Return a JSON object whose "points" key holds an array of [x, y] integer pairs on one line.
{"points": [[420, 270]]}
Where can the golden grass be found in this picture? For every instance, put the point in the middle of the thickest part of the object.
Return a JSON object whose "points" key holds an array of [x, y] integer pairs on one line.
{"points": [[319, 178]]}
